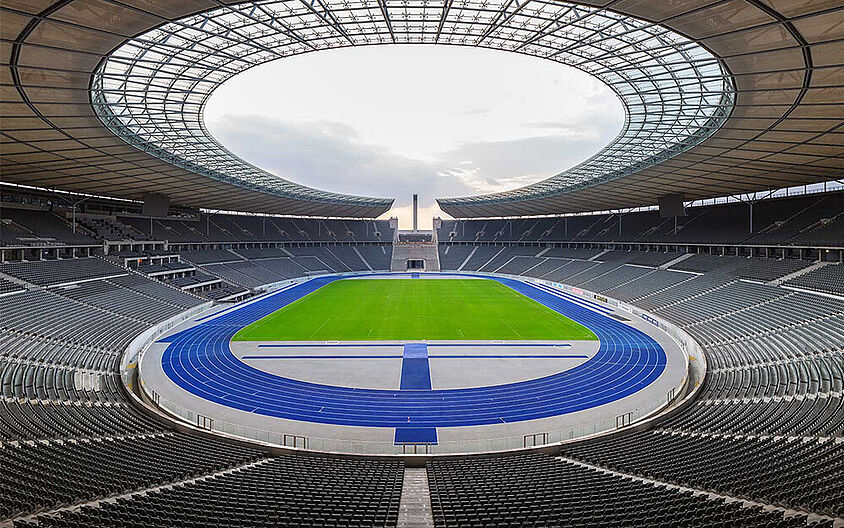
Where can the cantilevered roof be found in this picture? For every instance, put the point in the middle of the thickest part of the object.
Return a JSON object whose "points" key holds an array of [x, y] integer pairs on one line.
{"points": [[722, 97], [784, 129]]}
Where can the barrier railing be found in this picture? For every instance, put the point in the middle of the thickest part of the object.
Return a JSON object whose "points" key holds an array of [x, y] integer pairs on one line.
{"points": [[335, 445], [133, 353]]}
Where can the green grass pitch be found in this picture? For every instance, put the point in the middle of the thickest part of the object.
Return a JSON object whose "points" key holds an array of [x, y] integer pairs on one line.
{"points": [[413, 309]]}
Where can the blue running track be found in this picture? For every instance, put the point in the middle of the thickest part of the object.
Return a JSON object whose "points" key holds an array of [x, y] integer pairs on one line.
{"points": [[200, 361]]}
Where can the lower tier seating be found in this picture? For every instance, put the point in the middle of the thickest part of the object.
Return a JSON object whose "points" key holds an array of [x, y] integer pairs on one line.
{"points": [[539, 490], [796, 473], [47, 475], [289, 490]]}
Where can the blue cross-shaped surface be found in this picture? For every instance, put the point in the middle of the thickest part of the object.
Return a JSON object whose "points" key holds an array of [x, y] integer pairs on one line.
{"points": [[416, 371]]}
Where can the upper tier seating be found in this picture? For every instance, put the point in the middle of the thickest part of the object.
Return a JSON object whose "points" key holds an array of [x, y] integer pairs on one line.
{"points": [[802, 220], [51, 272], [240, 228], [30, 226], [829, 279]]}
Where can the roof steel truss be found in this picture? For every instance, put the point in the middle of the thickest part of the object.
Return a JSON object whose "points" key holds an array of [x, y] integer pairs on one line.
{"points": [[151, 91]]}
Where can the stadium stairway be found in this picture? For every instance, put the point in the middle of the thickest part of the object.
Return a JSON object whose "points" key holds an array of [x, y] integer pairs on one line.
{"points": [[402, 252], [415, 505]]}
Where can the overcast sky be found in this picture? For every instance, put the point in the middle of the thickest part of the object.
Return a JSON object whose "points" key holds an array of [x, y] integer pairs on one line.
{"points": [[393, 120]]}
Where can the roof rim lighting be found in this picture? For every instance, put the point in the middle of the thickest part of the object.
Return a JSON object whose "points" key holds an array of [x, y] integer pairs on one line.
{"points": [[151, 91]]}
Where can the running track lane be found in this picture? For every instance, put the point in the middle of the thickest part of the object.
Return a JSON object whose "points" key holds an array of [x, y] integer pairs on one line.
{"points": [[200, 361]]}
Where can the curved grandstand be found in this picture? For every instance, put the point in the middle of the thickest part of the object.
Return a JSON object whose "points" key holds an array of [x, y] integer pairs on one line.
{"points": [[581, 365]]}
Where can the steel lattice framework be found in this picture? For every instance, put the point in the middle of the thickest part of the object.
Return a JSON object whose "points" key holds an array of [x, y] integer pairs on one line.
{"points": [[152, 89], [786, 59]]}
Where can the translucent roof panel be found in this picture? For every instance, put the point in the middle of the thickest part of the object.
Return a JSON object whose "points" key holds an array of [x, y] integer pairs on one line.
{"points": [[151, 90]]}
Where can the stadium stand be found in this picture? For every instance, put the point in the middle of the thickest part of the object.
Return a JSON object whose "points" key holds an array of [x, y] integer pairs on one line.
{"points": [[251, 254], [798, 221], [52, 272], [724, 100], [107, 228], [572, 253], [286, 489], [376, 256], [210, 256], [540, 490], [46, 475], [763, 469], [480, 256], [7, 286], [32, 226], [653, 258], [829, 279], [452, 256], [220, 228], [771, 401], [773, 392], [505, 255]]}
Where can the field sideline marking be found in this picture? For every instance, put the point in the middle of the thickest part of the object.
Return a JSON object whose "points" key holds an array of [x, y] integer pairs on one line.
{"points": [[365, 344]]}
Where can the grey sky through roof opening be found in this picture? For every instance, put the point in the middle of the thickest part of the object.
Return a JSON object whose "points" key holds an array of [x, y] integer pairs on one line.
{"points": [[152, 89], [396, 120]]}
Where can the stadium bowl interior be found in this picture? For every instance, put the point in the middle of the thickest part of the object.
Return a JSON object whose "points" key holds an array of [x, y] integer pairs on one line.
{"points": [[654, 337]]}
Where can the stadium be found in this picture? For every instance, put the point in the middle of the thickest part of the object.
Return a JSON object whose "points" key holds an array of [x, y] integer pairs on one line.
{"points": [[651, 337]]}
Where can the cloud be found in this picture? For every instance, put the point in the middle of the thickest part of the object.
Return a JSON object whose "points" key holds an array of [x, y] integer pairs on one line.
{"points": [[333, 156], [391, 121], [323, 155], [477, 111], [493, 166]]}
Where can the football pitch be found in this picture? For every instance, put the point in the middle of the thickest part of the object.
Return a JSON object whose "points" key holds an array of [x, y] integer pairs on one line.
{"points": [[414, 309]]}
